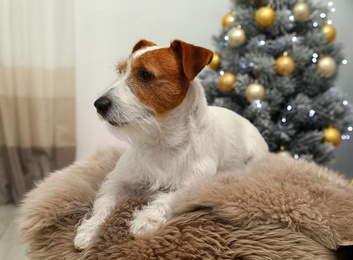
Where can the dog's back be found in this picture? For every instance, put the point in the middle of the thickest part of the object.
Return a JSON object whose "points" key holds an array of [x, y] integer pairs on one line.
{"points": [[241, 143]]}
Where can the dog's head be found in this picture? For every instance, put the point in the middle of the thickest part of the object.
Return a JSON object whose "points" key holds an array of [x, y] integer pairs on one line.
{"points": [[151, 82]]}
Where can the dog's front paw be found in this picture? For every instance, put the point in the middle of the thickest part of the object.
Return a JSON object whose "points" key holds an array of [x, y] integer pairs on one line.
{"points": [[84, 235], [145, 222]]}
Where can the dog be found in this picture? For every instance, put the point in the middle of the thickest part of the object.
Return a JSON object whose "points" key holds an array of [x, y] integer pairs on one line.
{"points": [[159, 106]]}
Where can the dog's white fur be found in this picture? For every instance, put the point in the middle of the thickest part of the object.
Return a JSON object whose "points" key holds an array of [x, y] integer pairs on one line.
{"points": [[193, 141]]}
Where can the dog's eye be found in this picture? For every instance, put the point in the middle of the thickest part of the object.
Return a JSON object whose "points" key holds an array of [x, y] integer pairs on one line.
{"points": [[145, 76]]}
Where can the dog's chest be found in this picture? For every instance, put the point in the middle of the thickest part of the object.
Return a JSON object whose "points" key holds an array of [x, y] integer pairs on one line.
{"points": [[165, 168]]}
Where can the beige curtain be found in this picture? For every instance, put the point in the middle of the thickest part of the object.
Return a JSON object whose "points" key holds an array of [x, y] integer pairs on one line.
{"points": [[37, 109]]}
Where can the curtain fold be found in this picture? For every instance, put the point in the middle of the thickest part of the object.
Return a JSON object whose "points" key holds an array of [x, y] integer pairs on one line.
{"points": [[37, 92]]}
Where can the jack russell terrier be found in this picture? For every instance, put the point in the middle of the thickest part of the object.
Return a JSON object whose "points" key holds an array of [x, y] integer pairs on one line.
{"points": [[159, 106]]}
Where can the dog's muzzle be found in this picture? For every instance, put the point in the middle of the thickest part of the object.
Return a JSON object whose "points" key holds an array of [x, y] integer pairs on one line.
{"points": [[103, 105]]}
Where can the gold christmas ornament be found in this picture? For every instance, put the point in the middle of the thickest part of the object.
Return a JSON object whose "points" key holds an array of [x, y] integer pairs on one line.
{"points": [[332, 135], [265, 16], [226, 82], [329, 31], [301, 11], [215, 62], [326, 66], [236, 36], [285, 65], [255, 91], [283, 152], [227, 19]]}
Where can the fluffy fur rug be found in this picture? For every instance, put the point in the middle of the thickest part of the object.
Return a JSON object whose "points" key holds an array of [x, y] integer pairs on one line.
{"points": [[277, 209]]}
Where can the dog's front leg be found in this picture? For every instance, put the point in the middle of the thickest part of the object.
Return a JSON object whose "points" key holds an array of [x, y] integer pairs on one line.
{"points": [[104, 203], [153, 215]]}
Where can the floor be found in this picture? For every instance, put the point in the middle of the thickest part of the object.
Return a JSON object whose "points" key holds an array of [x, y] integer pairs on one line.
{"points": [[10, 247]]}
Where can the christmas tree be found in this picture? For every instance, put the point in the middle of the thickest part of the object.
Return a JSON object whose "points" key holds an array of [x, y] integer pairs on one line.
{"points": [[275, 63]]}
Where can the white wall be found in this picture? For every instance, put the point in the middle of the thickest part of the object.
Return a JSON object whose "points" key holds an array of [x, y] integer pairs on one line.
{"points": [[342, 21], [107, 30]]}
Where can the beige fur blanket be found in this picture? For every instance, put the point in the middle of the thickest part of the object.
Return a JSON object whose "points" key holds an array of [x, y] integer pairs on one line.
{"points": [[277, 209]]}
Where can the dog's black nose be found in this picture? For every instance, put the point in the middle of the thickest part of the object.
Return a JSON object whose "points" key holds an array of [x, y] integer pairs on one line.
{"points": [[102, 104]]}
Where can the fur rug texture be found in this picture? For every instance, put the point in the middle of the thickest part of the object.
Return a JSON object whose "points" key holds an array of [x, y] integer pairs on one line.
{"points": [[279, 208]]}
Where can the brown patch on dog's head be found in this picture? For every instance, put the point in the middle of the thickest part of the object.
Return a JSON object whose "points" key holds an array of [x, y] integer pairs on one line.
{"points": [[142, 44], [161, 77], [122, 65]]}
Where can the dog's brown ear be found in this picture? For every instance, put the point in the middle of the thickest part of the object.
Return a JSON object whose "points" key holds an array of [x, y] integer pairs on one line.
{"points": [[193, 58], [142, 44]]}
